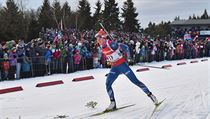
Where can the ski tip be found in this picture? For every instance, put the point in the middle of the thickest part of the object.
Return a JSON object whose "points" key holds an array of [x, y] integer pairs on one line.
{"points": [[160, 102]]}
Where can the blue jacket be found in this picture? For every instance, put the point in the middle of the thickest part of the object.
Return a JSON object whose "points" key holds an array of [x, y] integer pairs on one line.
{"points": [[48, 55]]}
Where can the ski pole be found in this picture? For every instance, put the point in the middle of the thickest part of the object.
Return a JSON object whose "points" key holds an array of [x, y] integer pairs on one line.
{"points": [[153, 67], [105, 30]]}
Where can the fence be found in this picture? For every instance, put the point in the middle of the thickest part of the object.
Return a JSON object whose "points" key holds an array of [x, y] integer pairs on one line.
{"points": [[38, 66]]}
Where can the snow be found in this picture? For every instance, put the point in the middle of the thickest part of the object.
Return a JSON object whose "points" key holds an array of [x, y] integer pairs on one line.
{"points": [[185, 87]]}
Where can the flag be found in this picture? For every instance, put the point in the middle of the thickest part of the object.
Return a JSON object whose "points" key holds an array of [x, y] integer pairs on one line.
{"points": [[187, 37]]}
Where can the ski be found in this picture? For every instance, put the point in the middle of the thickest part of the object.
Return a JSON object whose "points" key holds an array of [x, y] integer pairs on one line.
{"points": [[104, 112], [156, 107]]}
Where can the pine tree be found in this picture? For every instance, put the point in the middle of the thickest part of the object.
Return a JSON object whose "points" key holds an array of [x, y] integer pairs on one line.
{"points": [[1, 22], [45, 18], [150, 30], [84, 19], [163, 29], [130, 23], [33, 26], [57, 13], [11, 17], [97, 15], [176, 18], [111, 15], [68, 19], [205, 15], [194, 17]]}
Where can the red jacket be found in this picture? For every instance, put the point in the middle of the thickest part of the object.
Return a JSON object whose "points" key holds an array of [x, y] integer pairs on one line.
{"points": [[77, 59], [114, 57], [57, 54]]}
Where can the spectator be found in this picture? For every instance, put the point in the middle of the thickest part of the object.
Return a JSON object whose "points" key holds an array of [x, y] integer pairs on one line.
{"points": [[13, 62], [62, 44], [70, 60], [56, 56], [5, 66], [20, 53], [1, 60], [48, 56], [77, 60]]}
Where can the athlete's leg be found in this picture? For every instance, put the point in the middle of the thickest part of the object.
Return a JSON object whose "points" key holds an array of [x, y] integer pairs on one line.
{"points": [[112, 76], [125, 69]]}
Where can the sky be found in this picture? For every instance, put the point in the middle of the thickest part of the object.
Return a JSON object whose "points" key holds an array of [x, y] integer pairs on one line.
{"points": [[149, 10]]}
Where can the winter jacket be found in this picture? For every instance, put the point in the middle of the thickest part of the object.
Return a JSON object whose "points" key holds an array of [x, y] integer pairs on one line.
{"points": [[20, 53], [57, 54], [77, 59], [48, 55], [13, 58], [1, 58]]}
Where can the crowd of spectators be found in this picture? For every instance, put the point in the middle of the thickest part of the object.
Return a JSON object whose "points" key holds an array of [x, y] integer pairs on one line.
{"points": [[57, 51], [193, 31]]}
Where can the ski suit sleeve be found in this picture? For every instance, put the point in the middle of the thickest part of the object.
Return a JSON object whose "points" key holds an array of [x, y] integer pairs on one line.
{"points": [[125, 49], [114, 45]]}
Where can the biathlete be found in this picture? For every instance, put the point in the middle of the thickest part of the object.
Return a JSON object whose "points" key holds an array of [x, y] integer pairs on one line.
{"points": [[118, 65]]}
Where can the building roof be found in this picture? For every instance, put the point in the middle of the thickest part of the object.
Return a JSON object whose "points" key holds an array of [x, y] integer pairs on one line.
{"points": [[191, 22]]}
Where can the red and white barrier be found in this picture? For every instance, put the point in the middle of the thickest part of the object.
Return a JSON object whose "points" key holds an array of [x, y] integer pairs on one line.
{"points": [[9, 90], [83, 78], [49, 83], [166, 66], [195, 61], [142, 69], [181, 63], [203, 60]]}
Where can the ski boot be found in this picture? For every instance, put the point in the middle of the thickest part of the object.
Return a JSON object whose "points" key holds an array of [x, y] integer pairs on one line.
{"points": [[153, 98], [111, 107]]}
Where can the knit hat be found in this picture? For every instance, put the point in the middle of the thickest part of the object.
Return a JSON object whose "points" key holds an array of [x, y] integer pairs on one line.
{"points": [[101, 33]]}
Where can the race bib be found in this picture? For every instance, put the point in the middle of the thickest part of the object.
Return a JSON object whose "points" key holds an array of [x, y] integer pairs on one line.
{"points": [[114, 56]]}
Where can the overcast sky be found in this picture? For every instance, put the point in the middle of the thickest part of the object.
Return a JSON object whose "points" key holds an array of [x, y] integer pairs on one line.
{"points": [[149, 10]]}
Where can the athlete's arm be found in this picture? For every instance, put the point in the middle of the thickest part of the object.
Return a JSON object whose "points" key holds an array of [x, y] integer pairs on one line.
{"points": [[114, 45]]}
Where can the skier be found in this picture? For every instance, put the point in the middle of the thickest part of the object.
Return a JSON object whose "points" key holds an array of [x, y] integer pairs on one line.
{"points": [[119, 65]]}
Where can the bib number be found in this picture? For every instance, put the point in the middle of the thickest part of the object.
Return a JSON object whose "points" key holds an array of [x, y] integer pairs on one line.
{"points": [[114, 56]]}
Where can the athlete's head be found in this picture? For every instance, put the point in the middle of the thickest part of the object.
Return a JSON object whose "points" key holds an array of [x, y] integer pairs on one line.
{"points": [[101, 37]]}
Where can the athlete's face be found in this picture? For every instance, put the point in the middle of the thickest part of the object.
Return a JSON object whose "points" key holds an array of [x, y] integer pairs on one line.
{"points": [[100, 40]]}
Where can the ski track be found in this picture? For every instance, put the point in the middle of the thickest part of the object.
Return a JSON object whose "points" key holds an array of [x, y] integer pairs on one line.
{"points": [[186, 95]]}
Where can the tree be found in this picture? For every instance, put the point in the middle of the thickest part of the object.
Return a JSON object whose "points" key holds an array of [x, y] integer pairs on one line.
{"points": [[130, 23], [194, 17], [68, 19], [176, 18], [57, 13], [22, 4], [84, 19], [26, 16], [11, 27], [163, 29], [45, 18], [111, 15], [205, 15], [97, 15], [150, 30], [1, 22], [33, 31]]}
